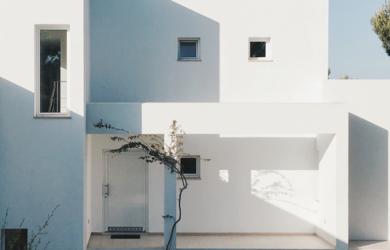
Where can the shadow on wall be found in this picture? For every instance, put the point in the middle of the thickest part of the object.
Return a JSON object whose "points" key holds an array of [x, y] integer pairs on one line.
{"points": [[127, 116], [134, 51], [256, 191], [41, 165], [368, 180]]}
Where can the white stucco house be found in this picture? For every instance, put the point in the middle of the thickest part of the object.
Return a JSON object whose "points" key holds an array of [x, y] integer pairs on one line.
{"points": [[280, 157]]}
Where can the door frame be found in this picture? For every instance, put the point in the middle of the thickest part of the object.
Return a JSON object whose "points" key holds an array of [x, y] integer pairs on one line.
{"points": [[106, 155]]}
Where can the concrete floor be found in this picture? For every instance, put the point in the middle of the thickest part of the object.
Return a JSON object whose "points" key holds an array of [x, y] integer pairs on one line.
{"points": [[213, 241], [369, 245]]}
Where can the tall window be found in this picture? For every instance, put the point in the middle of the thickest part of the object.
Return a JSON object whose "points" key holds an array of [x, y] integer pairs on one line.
{"points": [[53, 72]]}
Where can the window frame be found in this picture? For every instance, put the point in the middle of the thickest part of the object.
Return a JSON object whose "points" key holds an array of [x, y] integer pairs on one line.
{"points": [[268, 49], [197, 175], [189, 59], [37, 71]]}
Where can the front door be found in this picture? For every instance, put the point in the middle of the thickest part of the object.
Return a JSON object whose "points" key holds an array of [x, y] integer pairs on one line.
{"points": [[124, 192]]}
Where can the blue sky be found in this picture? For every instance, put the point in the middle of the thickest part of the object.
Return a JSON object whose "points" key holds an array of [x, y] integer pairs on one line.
{"points": [[354, 48]]}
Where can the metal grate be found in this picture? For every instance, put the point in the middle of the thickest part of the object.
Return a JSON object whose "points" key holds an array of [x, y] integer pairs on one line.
{"points": [[125, 229]]}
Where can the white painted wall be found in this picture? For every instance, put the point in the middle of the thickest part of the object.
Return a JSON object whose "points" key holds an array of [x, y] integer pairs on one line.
{"points": [[134, 50], [368, 180], [327, 163], [262, 193], [368, 100], [41, 160], [245, 188]]}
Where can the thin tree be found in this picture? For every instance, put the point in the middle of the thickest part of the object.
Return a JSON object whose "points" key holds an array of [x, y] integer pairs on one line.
{"points": [[156, 149]]}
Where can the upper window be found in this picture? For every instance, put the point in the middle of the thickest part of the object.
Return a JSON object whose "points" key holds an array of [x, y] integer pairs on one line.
{"points": [[52, 75], [189, 49], [190, 166], [259, 49]]}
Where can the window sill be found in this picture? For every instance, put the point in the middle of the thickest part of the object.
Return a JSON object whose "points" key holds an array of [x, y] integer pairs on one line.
{"points": [[260, 60], [52, 116], [189, 60], [191, 178]]}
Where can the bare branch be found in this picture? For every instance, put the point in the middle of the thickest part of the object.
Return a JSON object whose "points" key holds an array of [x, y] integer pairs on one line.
{"points": [[5, 219], [21, 223], [35, 239]]}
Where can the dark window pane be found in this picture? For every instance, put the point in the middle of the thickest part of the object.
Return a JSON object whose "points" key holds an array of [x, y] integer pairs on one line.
{"points": [[53, 70], [188, 49], [188, 165], [14, 238], [257, 49]]}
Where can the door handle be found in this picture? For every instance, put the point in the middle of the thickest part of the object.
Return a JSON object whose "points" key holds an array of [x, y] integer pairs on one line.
{"points": [[106, 190]]}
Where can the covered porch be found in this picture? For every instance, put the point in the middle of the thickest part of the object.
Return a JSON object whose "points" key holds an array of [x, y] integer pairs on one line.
{"points": [[266, 183]]}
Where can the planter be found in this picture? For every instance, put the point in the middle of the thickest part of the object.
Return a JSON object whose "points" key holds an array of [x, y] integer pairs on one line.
{"points": [[13, 239]]}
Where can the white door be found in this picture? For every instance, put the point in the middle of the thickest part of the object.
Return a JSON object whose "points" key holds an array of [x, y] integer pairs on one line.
{"points": [[125, 192]]}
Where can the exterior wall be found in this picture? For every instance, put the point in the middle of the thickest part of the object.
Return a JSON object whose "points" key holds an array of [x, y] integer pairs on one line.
{"points": [[41, 160], [368, 102], [327, 190], [368, 180], [252, 190], [262, 193], [140, 63]]}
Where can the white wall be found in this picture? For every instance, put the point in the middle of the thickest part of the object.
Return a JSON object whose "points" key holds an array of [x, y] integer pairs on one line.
{"points": [[368, 180], [368, 102], [41, 160], [327, 163], [243, 188], [134, 50]]}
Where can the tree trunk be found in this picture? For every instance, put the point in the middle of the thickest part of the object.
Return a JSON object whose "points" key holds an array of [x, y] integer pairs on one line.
{"points": [[169, 208]]}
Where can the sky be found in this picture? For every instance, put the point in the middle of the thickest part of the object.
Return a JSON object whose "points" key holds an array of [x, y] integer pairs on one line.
{"points": [[354, 48]]}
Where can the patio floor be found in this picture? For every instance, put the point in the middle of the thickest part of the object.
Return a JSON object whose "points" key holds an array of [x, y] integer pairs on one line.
{"points": [[369, 245], [212, 241]]}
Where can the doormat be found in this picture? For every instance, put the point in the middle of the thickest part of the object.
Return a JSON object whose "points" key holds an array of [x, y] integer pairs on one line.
{"points": [[125, 236], [125, 229]]}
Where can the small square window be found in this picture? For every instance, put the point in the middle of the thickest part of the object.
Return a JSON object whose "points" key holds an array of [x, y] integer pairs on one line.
{"points": [[259, 49], [190, 166], [188, 49]]}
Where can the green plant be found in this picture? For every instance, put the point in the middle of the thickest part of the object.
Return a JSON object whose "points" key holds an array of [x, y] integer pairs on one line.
{"points": [[381, 25]]}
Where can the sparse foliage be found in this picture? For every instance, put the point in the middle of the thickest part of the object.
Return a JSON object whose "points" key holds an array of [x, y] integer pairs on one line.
{"points": [[158, 150], [381, 25], [5, 219], [35, 240]]}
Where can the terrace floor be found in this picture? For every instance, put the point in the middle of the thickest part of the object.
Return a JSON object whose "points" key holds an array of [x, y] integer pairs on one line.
{"points": [[213, 241], [369, 245]]}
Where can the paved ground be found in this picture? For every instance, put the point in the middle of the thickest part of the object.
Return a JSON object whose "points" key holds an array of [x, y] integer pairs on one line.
{"points": [[213, 241], [369, 245]]}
